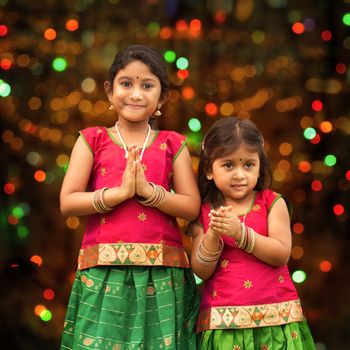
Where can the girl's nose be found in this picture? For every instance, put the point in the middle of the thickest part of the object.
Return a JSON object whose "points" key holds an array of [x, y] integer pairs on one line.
{"points": [[238, 173], [136, 93]]}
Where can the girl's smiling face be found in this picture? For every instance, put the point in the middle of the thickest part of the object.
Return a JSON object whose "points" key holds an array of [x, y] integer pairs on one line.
{"points": [[236, 174], [136, 92]]}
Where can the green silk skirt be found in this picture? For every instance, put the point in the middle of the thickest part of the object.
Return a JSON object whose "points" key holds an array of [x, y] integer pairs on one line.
{"points": [[292, 336], [131, 307]]}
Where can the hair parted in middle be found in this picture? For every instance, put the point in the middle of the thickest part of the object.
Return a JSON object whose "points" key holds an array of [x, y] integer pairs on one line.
{"points": [[224, 137]]}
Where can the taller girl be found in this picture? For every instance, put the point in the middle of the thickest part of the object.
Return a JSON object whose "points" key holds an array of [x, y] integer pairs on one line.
{"points": [[242, 242], [133, 288]]}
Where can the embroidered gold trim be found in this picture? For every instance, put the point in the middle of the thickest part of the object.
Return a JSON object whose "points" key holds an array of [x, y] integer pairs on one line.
{"points": [[236, 317], [146, 254]]}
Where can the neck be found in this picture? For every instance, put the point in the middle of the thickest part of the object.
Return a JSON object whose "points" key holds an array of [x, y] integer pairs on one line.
{"points": [[130, 127]]}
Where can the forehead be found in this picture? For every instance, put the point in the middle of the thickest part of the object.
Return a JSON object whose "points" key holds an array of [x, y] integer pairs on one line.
{"points": [[137, 69], [242, 152]]}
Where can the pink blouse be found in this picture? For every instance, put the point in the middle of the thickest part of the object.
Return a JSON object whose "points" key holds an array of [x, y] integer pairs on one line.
{"points": [[245, 292], [132, 234]]}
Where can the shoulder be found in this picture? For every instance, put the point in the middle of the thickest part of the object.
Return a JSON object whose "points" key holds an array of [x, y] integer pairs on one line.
{"points": [[92, 131], [172, 141], [171, 136], [269, 198], [92, 135]]}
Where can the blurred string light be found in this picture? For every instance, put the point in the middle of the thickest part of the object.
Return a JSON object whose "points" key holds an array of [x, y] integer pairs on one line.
{"points": [[59, 64], [326, 35], [316, 185], [49, 294], [182, 63], [3, 30], [298, 228], [309, 133], [299, 276], [5, 88], [9, 188], [298, 28], [153, 29], [330, 160], [42, 312], [338, 209], [37, 259], [72, 25], [50, 34], [325, 266], [346, 19], [194, 124], [170, 56]]}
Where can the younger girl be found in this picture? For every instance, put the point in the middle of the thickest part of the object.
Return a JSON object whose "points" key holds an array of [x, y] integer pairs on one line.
{"points": [[242, 243], [133, 288]]}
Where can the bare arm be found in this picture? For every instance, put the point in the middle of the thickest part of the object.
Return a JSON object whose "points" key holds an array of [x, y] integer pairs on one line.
{"points": [[211, 242], [185, 202], [74, 200], [276, 248]]}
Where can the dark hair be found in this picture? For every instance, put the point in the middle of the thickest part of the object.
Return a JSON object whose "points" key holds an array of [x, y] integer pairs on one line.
{"points": [[224, 137]]}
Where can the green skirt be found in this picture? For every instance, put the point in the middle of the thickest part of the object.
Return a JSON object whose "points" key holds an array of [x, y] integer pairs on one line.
{"points": [[292, 336], [132, 307]]}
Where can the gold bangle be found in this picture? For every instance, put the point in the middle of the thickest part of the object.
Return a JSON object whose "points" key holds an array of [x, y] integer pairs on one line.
{"points": [[157, 197]]}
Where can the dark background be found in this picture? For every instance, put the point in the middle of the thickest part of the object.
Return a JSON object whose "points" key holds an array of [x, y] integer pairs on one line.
{"points": [[246, 58]]}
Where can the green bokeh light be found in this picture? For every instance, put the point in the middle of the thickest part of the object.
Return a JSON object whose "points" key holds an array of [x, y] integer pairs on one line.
{"points": [[153, 29], [22, 231], [299, 276], [18, 212], [5, 89], [330, 160], [309, 133], [59, 64], [170, 56], [346, 19], [194, 124], [182, 63], [46, 315]]}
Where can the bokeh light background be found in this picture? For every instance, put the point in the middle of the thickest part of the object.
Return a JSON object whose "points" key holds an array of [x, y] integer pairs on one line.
{"points": [[282, 63]]}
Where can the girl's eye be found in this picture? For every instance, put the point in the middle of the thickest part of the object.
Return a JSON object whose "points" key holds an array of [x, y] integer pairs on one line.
{"points": [[147, 86], [228, 165], [249, 165], [125, 83]]}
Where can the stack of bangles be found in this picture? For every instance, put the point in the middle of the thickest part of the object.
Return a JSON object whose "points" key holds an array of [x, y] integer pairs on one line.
{"points": [[247, 240], [98, 202], [206, 257], [157, 197]]}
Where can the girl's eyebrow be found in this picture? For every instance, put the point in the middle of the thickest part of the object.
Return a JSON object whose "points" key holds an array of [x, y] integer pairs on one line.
{"points": [[137, 78]]}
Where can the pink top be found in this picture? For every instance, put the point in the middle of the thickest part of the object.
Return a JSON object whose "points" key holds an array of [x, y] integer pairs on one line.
{"points": [[132, 234], [245, 292]]}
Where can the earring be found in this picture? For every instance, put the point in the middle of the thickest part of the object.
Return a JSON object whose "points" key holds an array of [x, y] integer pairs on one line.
{"points": [[111, 107], [158, 113]]}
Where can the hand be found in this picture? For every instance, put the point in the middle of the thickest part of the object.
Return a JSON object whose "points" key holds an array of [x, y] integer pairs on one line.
{"points": [[223, 221], [128, 184], [143, 188]]}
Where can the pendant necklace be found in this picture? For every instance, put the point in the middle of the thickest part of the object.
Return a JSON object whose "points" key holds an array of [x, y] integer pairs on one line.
{"points": [[124, 145]]}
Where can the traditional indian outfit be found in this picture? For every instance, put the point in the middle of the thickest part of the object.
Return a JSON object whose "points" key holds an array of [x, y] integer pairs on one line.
{"points": [[248, 304], [133, 288]]}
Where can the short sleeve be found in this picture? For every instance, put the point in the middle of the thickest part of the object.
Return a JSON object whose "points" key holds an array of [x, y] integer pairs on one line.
{"points": [[90, 137], [271, 197], [176, 142]]}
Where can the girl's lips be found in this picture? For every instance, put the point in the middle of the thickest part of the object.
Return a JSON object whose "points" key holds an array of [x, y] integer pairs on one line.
{"points": [[135, 106]]}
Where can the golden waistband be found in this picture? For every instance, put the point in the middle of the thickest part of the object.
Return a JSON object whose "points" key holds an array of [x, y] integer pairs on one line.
{"points": [[145, 254], [252, 316]]}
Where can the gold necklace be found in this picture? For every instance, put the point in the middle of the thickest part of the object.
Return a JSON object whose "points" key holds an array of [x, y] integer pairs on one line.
{"points": [[124, 144]]}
